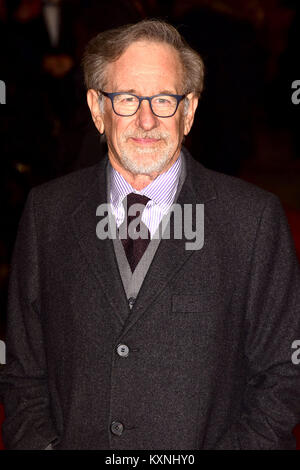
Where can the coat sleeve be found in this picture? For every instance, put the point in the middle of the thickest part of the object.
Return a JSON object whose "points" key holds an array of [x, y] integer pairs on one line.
{"points": [[271, 402], [23, 380]]}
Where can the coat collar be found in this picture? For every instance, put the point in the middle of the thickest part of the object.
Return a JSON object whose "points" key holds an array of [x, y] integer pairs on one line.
{"points": [[170, 256]]}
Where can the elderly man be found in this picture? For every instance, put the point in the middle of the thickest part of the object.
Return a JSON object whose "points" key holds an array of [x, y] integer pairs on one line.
{"points": [[132, 342]]}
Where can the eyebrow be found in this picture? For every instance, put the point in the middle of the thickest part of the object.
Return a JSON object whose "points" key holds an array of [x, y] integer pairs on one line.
{"points": [[167, 92]]}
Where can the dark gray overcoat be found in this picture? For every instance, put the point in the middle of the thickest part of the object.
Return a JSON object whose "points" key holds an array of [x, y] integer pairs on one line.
{"points": [[210, 337]]}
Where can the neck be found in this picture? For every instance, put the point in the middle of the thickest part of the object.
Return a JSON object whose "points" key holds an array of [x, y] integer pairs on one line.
{"points": [[138, 182]]}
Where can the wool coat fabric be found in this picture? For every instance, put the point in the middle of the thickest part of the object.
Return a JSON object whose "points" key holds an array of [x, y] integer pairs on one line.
{"points": [[209, 359]]}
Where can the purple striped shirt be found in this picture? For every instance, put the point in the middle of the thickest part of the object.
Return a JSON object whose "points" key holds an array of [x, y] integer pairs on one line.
{"points": [[161, 191]]}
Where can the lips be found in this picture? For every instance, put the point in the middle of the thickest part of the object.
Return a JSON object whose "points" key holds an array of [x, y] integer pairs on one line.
{"points": [[144, 141]]}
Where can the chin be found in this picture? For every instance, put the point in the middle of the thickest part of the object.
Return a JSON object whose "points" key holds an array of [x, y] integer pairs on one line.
{"points": [[148, 165]]}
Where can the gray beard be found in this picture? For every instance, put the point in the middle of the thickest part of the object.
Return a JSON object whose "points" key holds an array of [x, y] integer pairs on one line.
{"points": [[142, 168], [139, 166]]}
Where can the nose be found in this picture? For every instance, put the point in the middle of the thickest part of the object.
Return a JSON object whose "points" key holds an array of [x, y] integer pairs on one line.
{"points": [[145, 118]]}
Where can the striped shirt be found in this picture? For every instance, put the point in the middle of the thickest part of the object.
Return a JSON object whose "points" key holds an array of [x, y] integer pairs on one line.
{"points": [[161, 192]]}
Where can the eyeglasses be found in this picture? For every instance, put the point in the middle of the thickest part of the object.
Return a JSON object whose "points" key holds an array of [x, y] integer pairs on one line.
{"points": [[127, 104]]}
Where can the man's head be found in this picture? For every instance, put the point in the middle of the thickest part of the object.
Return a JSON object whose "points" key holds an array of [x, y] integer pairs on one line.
{"points": [[146, 59]]}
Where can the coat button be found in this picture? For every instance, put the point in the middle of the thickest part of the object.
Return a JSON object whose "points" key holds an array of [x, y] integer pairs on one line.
{"points": [[131, 301], [117, 428], [123, 350]]}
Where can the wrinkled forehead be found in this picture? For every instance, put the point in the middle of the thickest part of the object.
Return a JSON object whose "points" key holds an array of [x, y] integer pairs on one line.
{"points": [[146, 67]]}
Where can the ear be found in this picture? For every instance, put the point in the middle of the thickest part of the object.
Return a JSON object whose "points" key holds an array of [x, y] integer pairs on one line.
{"points": [[93, 103], [189, 117]]}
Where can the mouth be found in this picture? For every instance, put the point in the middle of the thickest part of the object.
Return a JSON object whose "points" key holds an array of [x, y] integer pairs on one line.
{"points": [[144, 141]]}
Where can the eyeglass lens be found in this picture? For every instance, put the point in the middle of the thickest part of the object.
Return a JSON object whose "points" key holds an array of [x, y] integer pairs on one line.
{"points": [[163, 105]]}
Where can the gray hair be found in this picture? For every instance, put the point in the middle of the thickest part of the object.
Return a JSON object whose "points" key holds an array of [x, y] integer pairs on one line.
{"points": [[109, 45]]}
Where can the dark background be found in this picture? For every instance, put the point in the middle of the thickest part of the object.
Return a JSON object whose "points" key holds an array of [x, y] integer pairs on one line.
{"points": [[246, 124]]}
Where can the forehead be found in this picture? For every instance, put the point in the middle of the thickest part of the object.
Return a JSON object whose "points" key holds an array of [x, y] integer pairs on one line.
{"points": [[146, 67]]}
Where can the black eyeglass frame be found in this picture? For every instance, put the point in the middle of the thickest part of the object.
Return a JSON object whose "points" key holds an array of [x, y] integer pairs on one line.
{"points": [[111, 96]]}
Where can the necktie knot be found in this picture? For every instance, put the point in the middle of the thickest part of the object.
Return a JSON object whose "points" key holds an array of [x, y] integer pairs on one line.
{"points": [[130, 201], [134, 198]]}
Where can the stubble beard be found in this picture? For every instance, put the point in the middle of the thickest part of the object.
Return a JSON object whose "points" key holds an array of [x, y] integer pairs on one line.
{"points": [[131, 155]]}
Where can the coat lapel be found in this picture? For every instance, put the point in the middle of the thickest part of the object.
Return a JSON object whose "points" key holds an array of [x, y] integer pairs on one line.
{"points": [[100, 254]]}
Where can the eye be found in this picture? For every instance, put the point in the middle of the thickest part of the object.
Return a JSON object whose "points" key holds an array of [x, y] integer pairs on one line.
{"points": [[162, 101], [124, 99], [128, 99]]}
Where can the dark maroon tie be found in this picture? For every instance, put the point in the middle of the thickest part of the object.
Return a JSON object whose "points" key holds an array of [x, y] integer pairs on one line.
{"points": [[135, 249]]}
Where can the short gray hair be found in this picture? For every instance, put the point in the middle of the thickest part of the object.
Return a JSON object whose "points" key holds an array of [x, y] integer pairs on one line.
{"points": [[109, 45]]}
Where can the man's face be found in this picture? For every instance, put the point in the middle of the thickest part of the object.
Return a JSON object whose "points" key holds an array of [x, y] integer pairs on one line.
{"points": [[144, 143]]}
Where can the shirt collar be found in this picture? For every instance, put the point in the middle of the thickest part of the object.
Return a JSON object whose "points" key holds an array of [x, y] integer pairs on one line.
{"points": [[161, 190]]}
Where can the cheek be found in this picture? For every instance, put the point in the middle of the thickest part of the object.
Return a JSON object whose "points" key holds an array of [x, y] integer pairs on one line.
{"points": [[177, 130], [118, 133], [113, 131], [120, 127]]}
